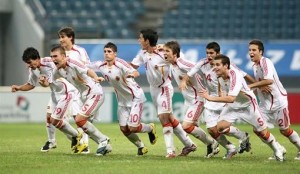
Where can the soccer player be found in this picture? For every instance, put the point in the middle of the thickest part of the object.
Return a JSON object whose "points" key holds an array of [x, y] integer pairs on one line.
{"points": [[161, 89], [271, 94], [212, 110], [44, 71], [240, 104], [67, 40], [194, 103], [120, 75], [92, 97]]}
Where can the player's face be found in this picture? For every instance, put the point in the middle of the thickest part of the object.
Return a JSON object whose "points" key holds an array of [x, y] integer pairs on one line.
{"points": [[109, 55], [254, 53], [219, 68], [143, 42], [65, 41], [169, 55], [211, 54], [33, 64], [58, 59]]}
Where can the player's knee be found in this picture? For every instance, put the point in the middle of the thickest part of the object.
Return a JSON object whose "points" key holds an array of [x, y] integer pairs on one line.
{"points": [[188, 129], [80, 122], [287, 132], [125, 130], [223, 130], [57, 123]]}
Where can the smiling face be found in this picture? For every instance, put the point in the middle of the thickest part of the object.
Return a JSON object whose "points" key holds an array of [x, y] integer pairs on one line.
{"points": [[59, 59], [65, 41], [219, 68], [254, 53]]}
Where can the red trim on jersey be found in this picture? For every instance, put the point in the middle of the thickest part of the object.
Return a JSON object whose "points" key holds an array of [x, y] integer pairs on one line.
{"points": [[264, 66], [75, 50], [186, 63], [72, 61], [278, 87], [103, 64], [123, 62], [233, 79]]}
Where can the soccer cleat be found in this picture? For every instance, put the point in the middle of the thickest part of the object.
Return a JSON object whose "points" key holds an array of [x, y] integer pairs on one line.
{"points": [[186, 150], [245, 144], [274, 157], [80, 148], [76, 141], [48, 145], [212, 149], [142, 151], [104, 148], [152, 135], [86, 150], [171, 155], [230, 153], [297, 156]]}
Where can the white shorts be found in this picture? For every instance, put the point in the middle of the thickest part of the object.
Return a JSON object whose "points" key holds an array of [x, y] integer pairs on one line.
{"points": [[130, 116], [162, 99], [250, 114], [61, 105], [193, 112], [279, 118], [91, 105], [210, 117]]}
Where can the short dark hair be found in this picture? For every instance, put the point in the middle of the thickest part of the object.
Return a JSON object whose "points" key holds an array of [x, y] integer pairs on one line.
{"points": [[224, 59], [215, 46], [112, 46], [150, 35], [174, 46], [30, 53], [259, 44], [59, 48], [69, 32]]}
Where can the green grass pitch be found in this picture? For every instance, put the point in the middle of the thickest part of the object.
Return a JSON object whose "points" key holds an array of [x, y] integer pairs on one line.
{"points": [[20, 145]]}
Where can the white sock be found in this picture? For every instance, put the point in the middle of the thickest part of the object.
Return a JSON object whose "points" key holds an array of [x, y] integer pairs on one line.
{"points": [[133, 137], [168, 136], [93, 132], [182, 136], [50, 132], [146, 128], [235, 132], [201, 135], [223, 141], [68, 129], [294, 138]]}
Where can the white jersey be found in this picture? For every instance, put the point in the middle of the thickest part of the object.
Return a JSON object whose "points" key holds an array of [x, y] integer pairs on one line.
{"points": [[236, 86], [210, 81], [178, 70], [60, 87], [126, 89], [76, 73], [277, 98], [157, 68], [79, 54]]}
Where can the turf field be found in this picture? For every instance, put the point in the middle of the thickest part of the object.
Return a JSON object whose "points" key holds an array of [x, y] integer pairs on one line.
{"points": [[20, 153]]}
